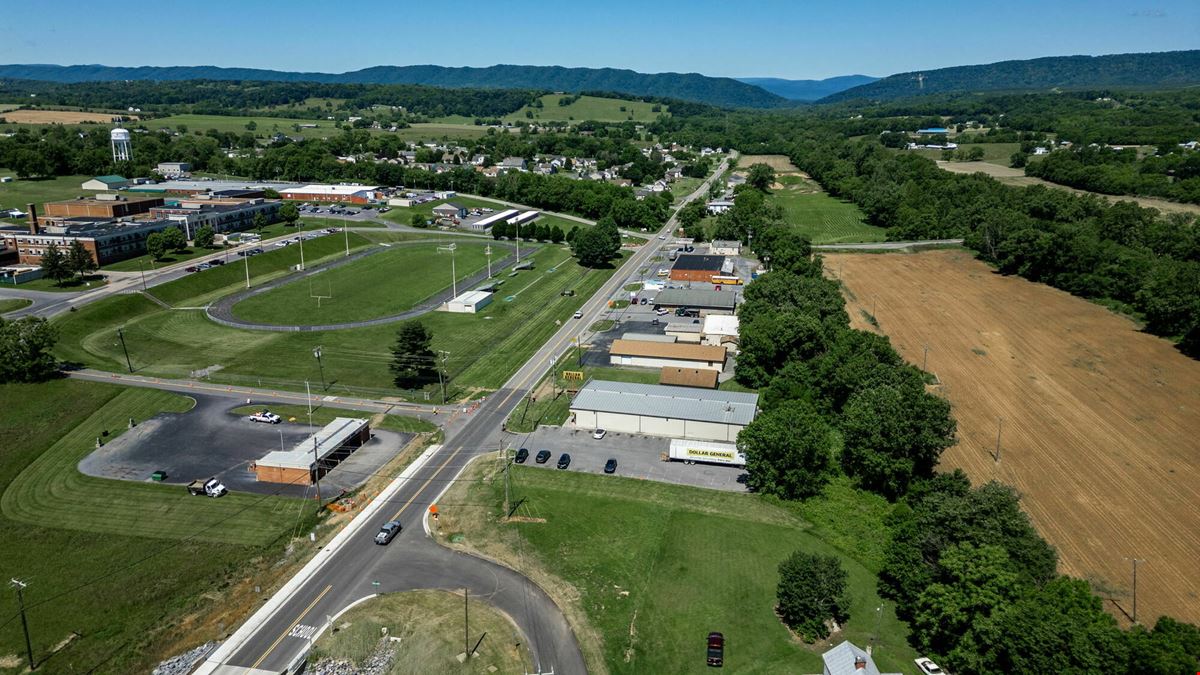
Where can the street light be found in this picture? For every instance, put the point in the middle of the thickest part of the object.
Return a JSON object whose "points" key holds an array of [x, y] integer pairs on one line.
{"points": [[453, 273]]}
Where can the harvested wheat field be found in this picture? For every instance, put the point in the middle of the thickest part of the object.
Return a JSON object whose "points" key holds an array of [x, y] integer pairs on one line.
{"points": [[1101, 423], [57, 117], [781, 163]]}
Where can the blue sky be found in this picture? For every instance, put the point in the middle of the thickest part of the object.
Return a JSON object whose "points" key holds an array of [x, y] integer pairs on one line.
{"points": [[793, 39]]}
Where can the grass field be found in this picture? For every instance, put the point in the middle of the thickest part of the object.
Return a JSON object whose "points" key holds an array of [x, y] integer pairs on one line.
{"points": [[201, 287], [21, 192], [824, 219], [993, 153], [403, 214], [323, 415], [13, 304], [108, 560], [382, 284], [485, 348], [649, 569], [429, 627], [1100, 419], [75, 283], [781, 163], [587, 108], [57, 117]]}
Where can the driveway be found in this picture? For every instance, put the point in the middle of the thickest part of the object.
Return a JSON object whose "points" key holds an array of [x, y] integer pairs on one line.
{"points": [[209, 441]]}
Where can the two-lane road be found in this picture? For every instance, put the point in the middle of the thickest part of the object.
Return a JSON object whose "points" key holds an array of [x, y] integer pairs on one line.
{"points": [[413, 560]]}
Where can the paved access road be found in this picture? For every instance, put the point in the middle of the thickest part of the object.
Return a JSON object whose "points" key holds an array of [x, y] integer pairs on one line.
{"points": [[412, 560]]}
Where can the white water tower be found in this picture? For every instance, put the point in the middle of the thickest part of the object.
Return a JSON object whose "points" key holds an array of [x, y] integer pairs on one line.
{"points": [[121, 147]]}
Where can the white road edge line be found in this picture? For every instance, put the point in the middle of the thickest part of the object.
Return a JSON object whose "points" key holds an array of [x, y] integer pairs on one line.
{"points": [[267, 611]]}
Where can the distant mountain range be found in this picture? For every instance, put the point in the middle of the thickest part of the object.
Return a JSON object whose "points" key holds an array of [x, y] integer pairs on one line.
{"points": [[1157, 69], [719, 91], [808, 90]]}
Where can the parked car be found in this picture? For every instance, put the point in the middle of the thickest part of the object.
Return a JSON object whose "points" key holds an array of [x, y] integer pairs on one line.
{"points": [[564, 460], [191, 268], [203, 266], [598, 434], [642, 302], [716, 649], [388, 532], [661, 311], [578, 315], [266, 417], [542, 457], [216, 261], [928, 667], [522, 455], [610, 466]]}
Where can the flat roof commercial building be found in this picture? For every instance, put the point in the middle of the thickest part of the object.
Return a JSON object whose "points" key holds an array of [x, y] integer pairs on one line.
{"points": [[246, 188], [316, 455], [720, 329], [697, 267], [355, 194], [469, 302], [107, 240], [101, 206], [221, 215], [502, 216], [703, 299], [658, 410], [644, 354]]}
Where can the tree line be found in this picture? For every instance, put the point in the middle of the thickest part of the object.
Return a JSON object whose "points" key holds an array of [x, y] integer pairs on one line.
{"points": [[1171, 174]]}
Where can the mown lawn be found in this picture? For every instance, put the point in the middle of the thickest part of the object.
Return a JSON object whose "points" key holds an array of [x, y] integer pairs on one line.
{"points": [[382, 284], [13, 304], [199, 288], [110, 561], [484, 348], [656, 567], [824, 219], [20, 192]]}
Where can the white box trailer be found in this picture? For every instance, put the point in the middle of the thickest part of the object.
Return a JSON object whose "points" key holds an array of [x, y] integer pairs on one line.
{"points": [[706, 452]]}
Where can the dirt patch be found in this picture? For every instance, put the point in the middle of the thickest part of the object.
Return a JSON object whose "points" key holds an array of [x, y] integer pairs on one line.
{"points": [[781, 163], [58, 117], [1011, 176], [1100, 421]]}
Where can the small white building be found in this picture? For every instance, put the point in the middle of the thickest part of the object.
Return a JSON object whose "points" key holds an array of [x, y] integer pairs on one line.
{"points": [[660, 410], [719, 206], [469, 302], [725, 247], [720, 330]]}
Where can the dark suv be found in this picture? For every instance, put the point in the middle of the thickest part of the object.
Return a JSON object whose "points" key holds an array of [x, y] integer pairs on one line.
{"points": [[522, 455], [542, 457], [716, 650]]}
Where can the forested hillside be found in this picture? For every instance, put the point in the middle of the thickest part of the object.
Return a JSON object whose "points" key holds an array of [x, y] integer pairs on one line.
{"points": [[721, 91], [1158, 69]]}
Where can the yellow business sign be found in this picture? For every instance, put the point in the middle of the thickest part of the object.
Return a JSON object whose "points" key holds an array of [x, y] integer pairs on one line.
{"points": [[572, 374], [711, 454]]}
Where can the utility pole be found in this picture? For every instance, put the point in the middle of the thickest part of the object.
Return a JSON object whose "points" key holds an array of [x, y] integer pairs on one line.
{"points": [[466, 625], [999, 430], [441, 376], [20, 586], [246, 258], [925, 361], [1135, 562], [488, 252], [517, 238], [321, 366], [300, 236], [453, 273], [346, 235], [316, 458], [121, 336]]}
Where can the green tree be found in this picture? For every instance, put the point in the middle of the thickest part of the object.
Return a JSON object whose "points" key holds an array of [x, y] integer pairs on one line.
{"points": [[289, 213], [205, 237], [174, 239], [79, 260], [156, 246], [594, 248], [975, 583], [26, 347], [1172, 647], [259, 221], [1058, 628], [54, 264], [414, 363], [812, 593], [789, 451], [760, 177], [1018, 160], [419, 220]]}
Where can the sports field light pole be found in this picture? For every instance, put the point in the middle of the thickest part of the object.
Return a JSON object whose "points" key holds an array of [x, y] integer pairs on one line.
{"points": [[488, 253], [300, 236], [246, 258], [346, 234], [317, 354], [453, 273], [20, 586]]}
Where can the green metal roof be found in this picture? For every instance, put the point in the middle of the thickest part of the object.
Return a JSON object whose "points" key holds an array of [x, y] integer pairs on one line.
{"points": [[111, 179]]}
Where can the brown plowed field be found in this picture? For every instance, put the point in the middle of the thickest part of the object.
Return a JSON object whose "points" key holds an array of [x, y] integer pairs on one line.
{"points": [[57, 117], [1101, 423]]}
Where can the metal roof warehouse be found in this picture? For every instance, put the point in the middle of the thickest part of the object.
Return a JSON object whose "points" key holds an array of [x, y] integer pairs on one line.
{"points": [[659, 410], [696, 298]]}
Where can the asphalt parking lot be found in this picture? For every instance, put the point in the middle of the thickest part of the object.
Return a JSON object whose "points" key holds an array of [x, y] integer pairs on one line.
{"points": [[637, 457], [352, 214], [209, 441]]}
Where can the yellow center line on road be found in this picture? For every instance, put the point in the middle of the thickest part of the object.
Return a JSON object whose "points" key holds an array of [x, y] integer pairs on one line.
{"points": [[290, 627]]}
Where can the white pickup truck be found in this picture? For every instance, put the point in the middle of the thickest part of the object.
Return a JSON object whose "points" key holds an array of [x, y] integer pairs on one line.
{"points": [[266, 417], [211, 488]]}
